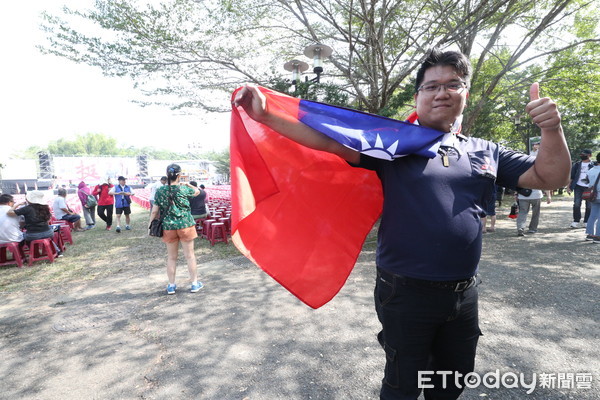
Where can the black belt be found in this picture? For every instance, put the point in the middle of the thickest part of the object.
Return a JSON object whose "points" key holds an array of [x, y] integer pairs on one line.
{"points": [[457, 286]]}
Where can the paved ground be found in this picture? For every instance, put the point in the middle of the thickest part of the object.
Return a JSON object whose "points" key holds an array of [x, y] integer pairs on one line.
{"points": [[245, 337]]}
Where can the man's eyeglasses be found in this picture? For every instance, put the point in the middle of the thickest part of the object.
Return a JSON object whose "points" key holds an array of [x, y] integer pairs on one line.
{"points": [[452, 87]]}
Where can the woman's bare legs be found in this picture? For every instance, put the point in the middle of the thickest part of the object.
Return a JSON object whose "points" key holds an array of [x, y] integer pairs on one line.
{"points": [[188, 252], [172, 250]]}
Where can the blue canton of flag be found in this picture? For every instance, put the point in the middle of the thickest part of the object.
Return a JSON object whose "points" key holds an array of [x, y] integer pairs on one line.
{"points": [[373, 135]]}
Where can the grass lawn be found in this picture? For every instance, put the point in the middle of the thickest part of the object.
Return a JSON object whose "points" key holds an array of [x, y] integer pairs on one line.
{"points": [[97, 253]]}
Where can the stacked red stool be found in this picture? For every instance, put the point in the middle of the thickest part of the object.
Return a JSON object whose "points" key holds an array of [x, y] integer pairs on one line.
{"points": [[65, 229], [18, 257]]}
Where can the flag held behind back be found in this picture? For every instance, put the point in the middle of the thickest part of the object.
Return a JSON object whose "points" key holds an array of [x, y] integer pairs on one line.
{"points": [[302, 215]]}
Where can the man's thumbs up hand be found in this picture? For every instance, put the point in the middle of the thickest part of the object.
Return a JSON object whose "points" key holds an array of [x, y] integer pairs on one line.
{"points": [[543, 112], [534, 91]]}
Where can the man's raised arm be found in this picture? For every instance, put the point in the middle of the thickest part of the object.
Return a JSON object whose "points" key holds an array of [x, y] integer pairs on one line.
{"points": [[553, 163], [255, 105]]}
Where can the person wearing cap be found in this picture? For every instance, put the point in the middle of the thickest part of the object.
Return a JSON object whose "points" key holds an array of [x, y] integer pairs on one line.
{"points": [[10, 226], [579, 183], [105, 202], [122, 193], [37, 215]]}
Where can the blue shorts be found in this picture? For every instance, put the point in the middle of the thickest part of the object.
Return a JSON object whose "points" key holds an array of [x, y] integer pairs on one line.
{"points": [[71, 217]]}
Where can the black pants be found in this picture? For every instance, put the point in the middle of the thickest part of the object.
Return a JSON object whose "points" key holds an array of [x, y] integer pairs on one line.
{"points": [[106, 214], [425, 329]]}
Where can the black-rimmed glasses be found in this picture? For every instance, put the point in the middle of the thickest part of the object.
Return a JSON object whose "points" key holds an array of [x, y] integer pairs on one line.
{"points": [[452, 87]]}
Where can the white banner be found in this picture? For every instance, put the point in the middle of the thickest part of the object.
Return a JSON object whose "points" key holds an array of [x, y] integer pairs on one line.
{"points": [[93, 170]]}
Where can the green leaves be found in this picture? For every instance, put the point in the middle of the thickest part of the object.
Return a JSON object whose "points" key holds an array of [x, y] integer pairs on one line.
{"points": [[192, 54]]}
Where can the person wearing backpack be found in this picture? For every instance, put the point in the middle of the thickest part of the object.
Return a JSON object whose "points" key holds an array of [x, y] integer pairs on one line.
{"points": [[88, 204]]}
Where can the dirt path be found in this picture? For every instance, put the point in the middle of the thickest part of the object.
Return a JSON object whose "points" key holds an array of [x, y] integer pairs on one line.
{"points": [[245, 337]]}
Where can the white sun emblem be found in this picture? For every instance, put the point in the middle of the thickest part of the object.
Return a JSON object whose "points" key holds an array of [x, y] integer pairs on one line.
{"points": [[378, 150]]}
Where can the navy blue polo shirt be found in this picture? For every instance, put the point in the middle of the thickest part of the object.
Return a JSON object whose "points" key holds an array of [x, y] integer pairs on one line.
{"points": [[430, 226]]}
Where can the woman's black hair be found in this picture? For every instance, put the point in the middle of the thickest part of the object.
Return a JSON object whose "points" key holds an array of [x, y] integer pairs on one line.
{"points": [[173, 171], [42, 211]]}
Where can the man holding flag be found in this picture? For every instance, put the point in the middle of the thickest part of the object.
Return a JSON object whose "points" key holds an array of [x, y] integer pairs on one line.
{"points": [[430, 236]]}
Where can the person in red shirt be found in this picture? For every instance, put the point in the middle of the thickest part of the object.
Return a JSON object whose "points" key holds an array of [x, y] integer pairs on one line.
{"points": [[105, 202]]}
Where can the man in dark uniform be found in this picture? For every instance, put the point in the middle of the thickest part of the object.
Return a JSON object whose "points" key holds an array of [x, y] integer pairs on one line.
{"points": [[430, 236]]}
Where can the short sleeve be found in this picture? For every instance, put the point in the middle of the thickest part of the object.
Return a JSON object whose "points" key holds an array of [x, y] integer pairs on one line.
{"points": [[21, 210], [188, 191], [511, 165]]}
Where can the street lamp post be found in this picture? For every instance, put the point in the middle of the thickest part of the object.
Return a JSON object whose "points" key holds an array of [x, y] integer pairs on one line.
{"points": [[316, 52]]}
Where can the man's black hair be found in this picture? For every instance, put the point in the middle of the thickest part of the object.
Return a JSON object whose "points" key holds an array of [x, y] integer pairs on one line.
{"points": [[6, 198], [454, 59]]}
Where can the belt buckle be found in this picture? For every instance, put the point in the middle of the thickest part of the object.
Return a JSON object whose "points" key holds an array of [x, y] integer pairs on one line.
{"points": [[462, 286]]}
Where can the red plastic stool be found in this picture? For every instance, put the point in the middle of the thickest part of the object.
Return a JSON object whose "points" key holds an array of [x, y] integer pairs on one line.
{"points": [[199, 223], [60, 242], [18, 257], [206, 225], [65, 230], [227, 222], [217, 233], [41, 249], [65, 233]]}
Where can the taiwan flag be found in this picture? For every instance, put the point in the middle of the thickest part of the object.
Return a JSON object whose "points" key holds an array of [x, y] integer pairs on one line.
{"points": [[302, 215]]}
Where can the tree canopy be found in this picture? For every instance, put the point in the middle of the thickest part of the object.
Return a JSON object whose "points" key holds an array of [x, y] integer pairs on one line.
{"points": [[194, 53], [96, 144]]}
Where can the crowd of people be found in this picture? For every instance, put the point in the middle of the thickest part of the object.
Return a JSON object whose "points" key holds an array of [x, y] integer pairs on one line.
{"points": [[583, 178], [426, 294], [177, 204]]}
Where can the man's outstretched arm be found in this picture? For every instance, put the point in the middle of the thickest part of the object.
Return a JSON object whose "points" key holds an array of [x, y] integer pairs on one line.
{"points": [[256, 106]]}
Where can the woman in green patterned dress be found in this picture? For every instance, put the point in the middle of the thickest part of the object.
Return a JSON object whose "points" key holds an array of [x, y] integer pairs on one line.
{"points": [[171, 202]]}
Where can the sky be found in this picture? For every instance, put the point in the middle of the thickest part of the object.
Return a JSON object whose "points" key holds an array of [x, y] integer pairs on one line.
{"points": [[44, 98]]}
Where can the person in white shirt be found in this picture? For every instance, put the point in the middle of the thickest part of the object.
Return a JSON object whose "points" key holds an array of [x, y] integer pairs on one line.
{"points": [[527, 200], [61, 210], [154, 187], [10, 226]]}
